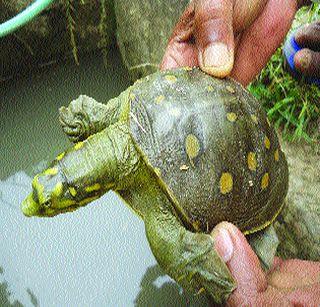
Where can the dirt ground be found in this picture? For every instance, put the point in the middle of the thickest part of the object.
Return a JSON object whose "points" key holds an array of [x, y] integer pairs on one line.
{"points": [[298, 226]]}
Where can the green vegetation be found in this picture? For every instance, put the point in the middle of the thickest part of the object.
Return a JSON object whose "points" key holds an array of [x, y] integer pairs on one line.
{"points": [[69, 9], [291, 104]]}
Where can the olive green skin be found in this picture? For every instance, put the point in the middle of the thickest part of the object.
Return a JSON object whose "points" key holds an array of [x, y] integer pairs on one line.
{"points": [[233, 139], [169, 146]]}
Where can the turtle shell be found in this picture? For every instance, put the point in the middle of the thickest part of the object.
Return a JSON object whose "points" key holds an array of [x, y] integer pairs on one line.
{"points": [[212, 147]]}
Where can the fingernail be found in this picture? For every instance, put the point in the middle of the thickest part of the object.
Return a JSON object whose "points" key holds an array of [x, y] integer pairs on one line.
{"points": [[223, 243], [216, 55], [302, 60]]}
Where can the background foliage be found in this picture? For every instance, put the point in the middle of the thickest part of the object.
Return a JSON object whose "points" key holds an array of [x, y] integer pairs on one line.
{"points": [[291, 104]]}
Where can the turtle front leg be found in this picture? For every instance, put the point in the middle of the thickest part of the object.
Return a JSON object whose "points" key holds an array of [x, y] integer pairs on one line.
{"points": [[85, 116], [189, 258]]}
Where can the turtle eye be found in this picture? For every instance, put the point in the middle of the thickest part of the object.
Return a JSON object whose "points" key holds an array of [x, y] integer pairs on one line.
{"points": [[47, 203]]}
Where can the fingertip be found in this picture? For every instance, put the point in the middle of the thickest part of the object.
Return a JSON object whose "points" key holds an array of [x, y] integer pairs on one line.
{"points": [[168, 62], [217, 60], [302, 60], [241, 260], [300, 34], [222, 241]]}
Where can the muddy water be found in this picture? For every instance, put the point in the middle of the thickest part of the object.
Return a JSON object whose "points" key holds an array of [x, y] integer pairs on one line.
{"points": [[96, 256]]}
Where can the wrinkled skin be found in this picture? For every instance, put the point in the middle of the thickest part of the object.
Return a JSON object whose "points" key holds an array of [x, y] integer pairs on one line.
{"points": [[287, 283]]}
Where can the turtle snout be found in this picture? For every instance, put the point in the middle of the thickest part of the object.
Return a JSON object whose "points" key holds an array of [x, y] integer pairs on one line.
{"points": [[29, 207]]}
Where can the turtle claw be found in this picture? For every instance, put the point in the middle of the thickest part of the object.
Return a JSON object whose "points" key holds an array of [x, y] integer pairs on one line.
{"points": [[74, 122], [83, 117]]}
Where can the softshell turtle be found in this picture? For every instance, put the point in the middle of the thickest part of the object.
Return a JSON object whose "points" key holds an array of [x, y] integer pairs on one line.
{"points": [[185, 151]]}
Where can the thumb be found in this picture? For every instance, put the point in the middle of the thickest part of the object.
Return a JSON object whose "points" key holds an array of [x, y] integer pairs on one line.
{"points": [[242, 262], [213, 31]]}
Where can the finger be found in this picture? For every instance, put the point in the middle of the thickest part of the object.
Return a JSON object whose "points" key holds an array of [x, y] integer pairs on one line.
{"points": [[262, 38], [303, 3], [308, 36], [276, 263], [241, 261], [291, 274], [213, 31], [307, 296], [181, 50], [307, 62]]}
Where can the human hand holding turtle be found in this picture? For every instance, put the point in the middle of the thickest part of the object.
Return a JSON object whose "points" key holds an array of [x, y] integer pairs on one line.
{"points": [[224, 37], [288, 283], [216, 36]]}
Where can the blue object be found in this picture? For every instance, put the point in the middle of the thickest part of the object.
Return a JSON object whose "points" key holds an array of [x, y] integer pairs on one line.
{"points": [[291, 47], [24, 17]]}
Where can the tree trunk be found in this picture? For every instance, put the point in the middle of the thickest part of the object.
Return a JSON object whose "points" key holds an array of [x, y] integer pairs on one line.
{"points": [[143, 30]]}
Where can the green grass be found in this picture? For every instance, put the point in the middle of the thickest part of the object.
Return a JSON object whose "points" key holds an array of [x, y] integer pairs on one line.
{"points": [[291, 105]]}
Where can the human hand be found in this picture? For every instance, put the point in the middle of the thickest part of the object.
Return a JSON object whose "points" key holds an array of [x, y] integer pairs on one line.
{"points": [[288, 283], [307, 60], [226, 37]]}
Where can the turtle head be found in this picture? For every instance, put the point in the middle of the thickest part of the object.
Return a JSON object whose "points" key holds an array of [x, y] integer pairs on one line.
{"points": [[50, 195]]}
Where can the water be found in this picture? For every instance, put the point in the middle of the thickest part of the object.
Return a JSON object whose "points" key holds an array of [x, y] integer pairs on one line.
{"points": [[96, 256]]}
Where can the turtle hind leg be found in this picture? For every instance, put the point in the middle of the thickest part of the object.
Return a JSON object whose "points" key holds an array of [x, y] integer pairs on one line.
{"points": [[265, 244], [189, 258]]}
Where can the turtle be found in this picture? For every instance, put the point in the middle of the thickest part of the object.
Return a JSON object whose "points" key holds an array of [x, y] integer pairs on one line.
{"points": [[185, 151]]}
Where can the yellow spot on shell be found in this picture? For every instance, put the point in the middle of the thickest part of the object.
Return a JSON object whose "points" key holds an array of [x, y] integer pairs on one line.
{"points": [[276, 155], [51, 171], [184, 167], [192, 146], [265, 181], [267, 142], [226, 183], [159, 99], [92, 188], [254, 118], [232, 117], [157, 171], [59, 157], [230, 89], [252, 161], [210, 88], [57, 190], [171, 78], [73, 191], [78, 145]]}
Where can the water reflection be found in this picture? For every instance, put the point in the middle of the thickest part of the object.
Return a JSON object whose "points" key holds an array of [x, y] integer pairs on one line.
{"points": [[96, 256], [157, 289], [5, 300]]}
